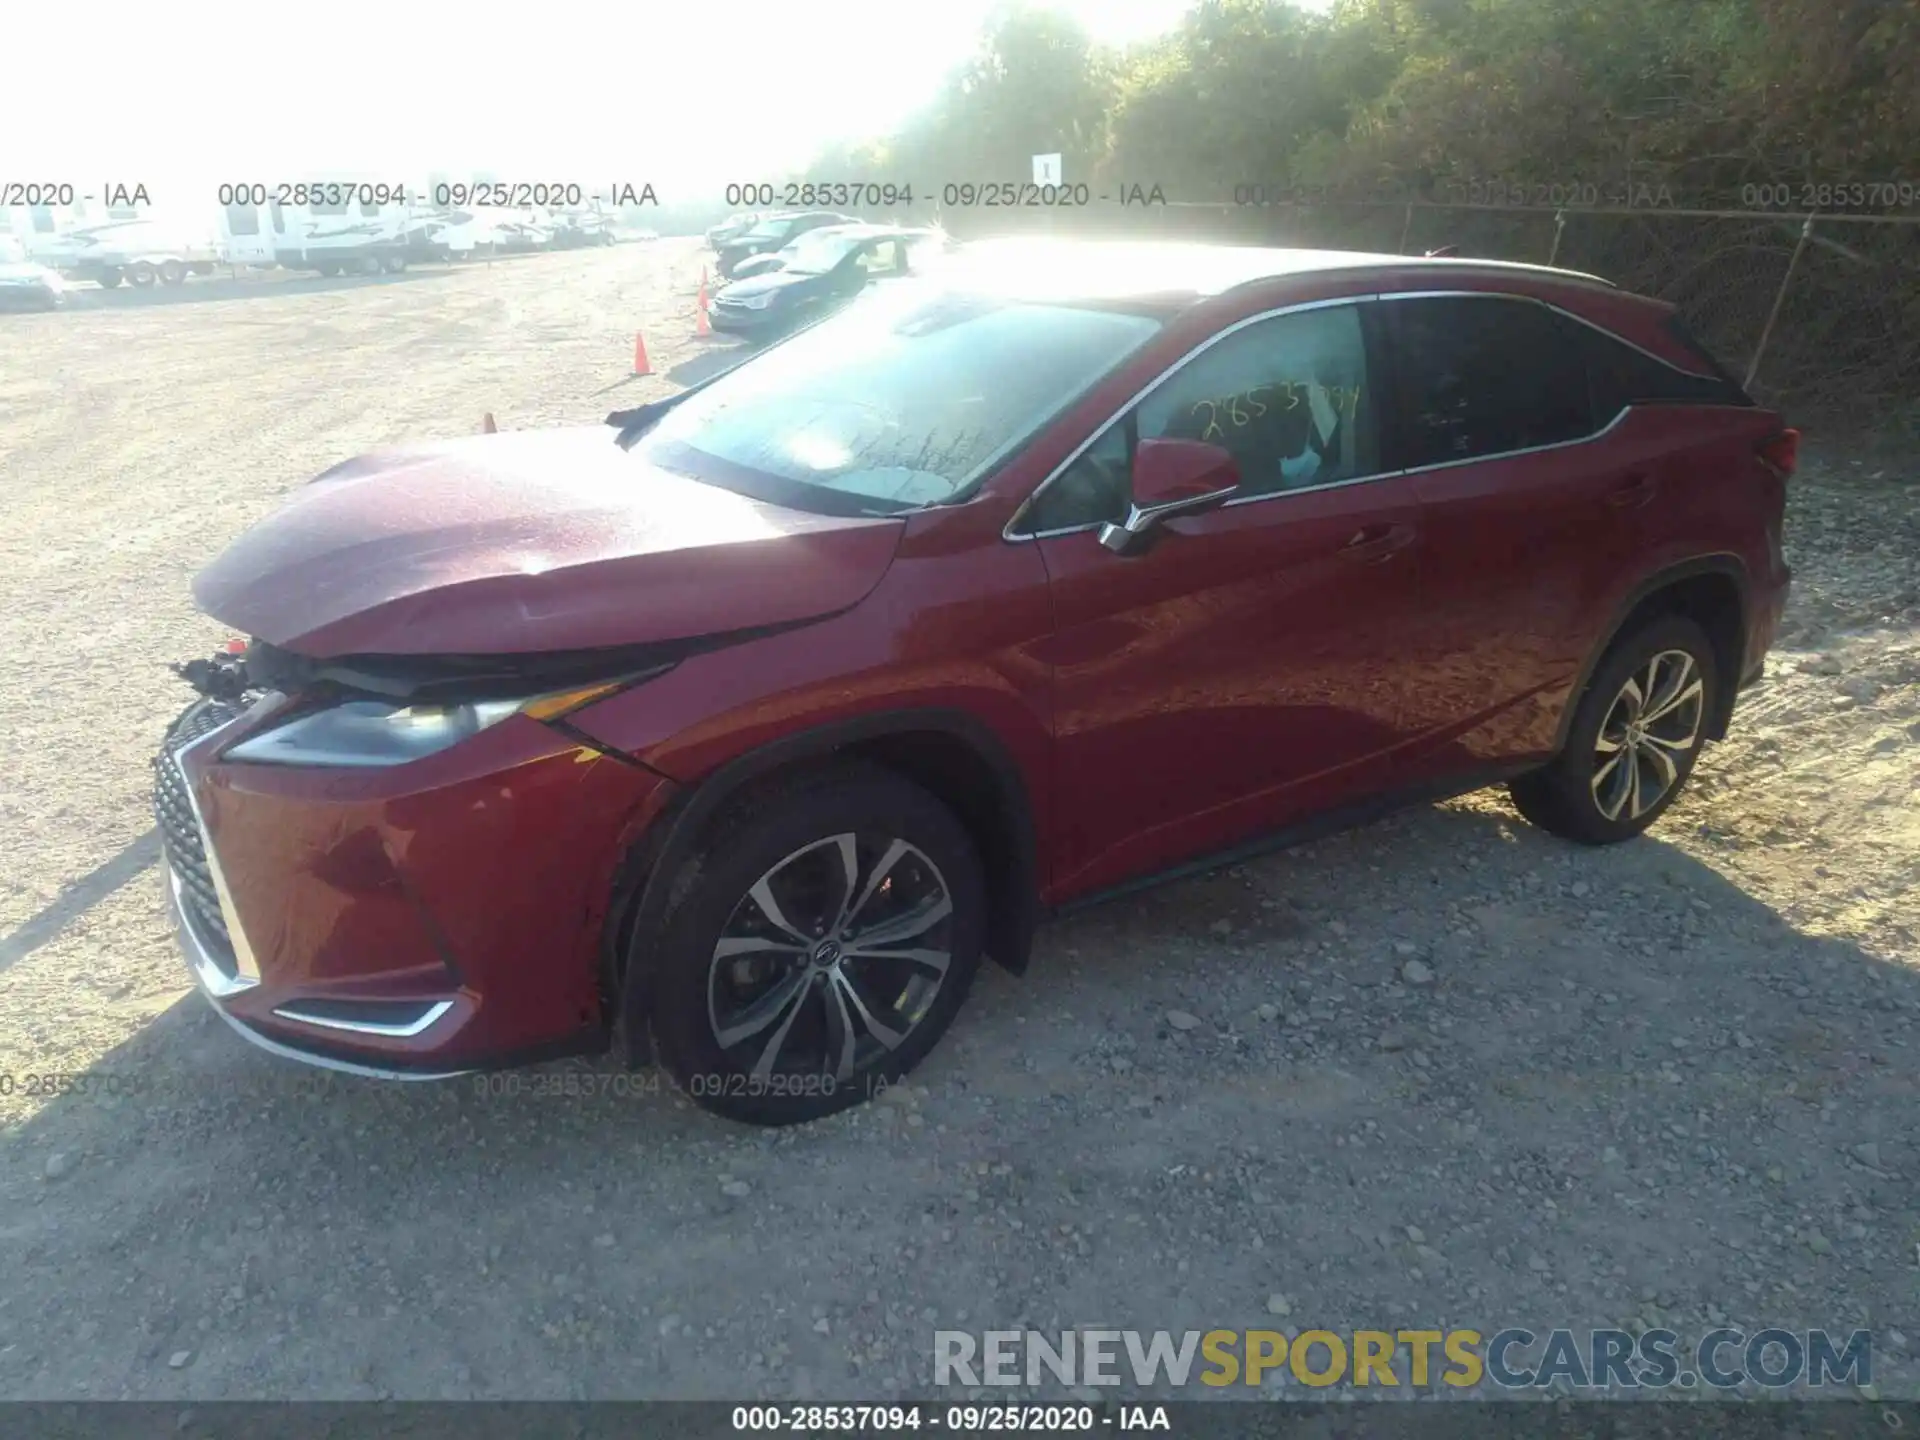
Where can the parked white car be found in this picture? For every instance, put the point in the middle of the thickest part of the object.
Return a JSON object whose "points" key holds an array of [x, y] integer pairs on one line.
{"points": [[26, 284]]}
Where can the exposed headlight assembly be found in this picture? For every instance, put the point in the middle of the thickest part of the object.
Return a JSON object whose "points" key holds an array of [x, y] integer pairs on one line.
{"points": [[378, 732]]}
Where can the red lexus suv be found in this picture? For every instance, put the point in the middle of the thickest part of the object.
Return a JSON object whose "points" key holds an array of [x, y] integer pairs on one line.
{"points": [[741, 727]]}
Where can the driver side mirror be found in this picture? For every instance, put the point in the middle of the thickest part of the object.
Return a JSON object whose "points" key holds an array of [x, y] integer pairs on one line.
{"points": [[1171, 478]]}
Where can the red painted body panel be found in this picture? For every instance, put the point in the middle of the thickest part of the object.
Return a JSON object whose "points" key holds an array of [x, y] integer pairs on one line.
{"points": [[954, 625], [480, 874], [1242, 674], [529, 542]]}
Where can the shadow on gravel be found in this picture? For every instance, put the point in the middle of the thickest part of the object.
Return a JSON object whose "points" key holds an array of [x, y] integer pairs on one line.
{"points": [[72, 902], [708, 363], [1620, 1036]]}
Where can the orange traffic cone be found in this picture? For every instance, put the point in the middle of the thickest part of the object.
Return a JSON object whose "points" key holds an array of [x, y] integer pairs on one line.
{"points": [[700, 325], [641, 366], [487, 427]]}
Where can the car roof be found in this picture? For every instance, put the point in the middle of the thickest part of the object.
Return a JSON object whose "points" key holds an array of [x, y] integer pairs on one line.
{"points": [[1120, 270]]}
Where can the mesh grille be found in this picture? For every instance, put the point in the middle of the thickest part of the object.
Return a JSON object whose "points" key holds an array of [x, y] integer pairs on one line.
{"points": [[180, 833]]}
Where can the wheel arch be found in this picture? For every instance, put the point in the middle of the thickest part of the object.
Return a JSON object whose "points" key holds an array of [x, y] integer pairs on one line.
{"points": [[1712, 590], [951, 753]]}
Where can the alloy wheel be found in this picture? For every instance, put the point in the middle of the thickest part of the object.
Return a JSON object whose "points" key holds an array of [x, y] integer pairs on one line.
{"points": [[1650, 729], [832, 958]]}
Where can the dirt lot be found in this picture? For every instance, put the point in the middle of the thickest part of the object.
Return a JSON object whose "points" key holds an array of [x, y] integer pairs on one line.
{"points": [[1442, 1071]]}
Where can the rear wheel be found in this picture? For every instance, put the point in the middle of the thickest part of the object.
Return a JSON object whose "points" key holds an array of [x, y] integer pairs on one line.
{"points": [[328, 270], [140, 273], [172, 272], [394, 264], [1635, 737], [821, 943], [371, 265], [110, 278]]}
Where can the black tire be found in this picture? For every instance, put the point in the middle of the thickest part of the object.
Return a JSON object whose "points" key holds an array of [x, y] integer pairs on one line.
{"points": [[789, 832], [1571, 797], [110, 278], [140, 273], [329, 271], [172, 272], [394, 264]]}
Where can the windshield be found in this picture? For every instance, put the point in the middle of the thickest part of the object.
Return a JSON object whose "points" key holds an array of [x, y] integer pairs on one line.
{"points": [[770, 230], [817, 252], [906, 398]]}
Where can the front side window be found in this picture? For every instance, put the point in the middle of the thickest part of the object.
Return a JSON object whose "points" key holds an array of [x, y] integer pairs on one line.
{"points": [[899, 401], [243, 220], [882, 257], [1484, 375], [1288, 397]]}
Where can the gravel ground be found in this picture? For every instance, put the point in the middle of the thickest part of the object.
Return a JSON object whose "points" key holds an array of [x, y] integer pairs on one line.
{"points": [[1441, 1071]]}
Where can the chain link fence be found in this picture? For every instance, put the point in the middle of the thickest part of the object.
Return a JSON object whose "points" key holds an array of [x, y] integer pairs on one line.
{"points": [[1820, 315]]}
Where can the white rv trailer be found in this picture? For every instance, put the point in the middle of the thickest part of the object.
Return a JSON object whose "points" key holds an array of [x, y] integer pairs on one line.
{"points": [[90, 241], [46, 232], [335, 227]]}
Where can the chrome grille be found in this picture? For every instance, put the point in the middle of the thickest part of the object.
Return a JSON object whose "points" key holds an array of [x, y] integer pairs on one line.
{"points": [[180, 835]]}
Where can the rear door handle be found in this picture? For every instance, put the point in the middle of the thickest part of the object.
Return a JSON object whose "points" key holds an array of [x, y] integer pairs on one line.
{"points": [[1633, 492], [1372, 544]]}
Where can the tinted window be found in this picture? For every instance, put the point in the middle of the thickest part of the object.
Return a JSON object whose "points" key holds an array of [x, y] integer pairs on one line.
{"points": [[1093, 488], [243, 220], [1620, 375], [1482, 375], [1288, 397]]}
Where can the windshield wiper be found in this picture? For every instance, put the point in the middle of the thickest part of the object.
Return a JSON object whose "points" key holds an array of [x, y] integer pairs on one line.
{"points": [[634, 422]]}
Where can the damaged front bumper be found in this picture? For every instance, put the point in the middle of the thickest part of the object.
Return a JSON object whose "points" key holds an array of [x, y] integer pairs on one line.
{"points": [[412, 922]]}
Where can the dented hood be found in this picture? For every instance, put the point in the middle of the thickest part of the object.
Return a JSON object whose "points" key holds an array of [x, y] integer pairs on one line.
{"points": [[532, 541]]}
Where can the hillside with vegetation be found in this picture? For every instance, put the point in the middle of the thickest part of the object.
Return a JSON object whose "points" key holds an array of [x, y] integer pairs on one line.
{"points": [[1654, 107]]}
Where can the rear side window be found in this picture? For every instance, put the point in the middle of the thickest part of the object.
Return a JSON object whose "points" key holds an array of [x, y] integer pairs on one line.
{"points": [[1484, 375], [1620, 375]]}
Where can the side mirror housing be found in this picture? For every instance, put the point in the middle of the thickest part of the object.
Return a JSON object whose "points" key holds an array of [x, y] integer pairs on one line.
{"points": [[1171, 478]]}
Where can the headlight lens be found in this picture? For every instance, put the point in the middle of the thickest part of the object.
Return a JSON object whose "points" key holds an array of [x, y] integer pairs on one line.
{"points": [[757, 302], [376, 733]]}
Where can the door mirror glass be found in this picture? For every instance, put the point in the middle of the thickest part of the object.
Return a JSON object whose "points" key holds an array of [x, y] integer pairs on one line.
{"points": [[1171, 478]]}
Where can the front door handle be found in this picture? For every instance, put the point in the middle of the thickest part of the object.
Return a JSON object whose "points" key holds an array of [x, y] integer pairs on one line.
{"points": [[1373, 544], [1633, 492]]}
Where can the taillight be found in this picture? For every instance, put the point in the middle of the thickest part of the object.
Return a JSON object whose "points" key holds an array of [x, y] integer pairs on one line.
{"points": [[1780, 453]]}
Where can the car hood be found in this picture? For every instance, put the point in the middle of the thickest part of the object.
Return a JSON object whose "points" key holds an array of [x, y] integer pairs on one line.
{"points": [[765, 284], [533, 541]]}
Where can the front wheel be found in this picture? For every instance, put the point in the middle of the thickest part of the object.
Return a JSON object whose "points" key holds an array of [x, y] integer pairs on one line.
{"points": [[820, 944], [141, 273], [1635, 737]]}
